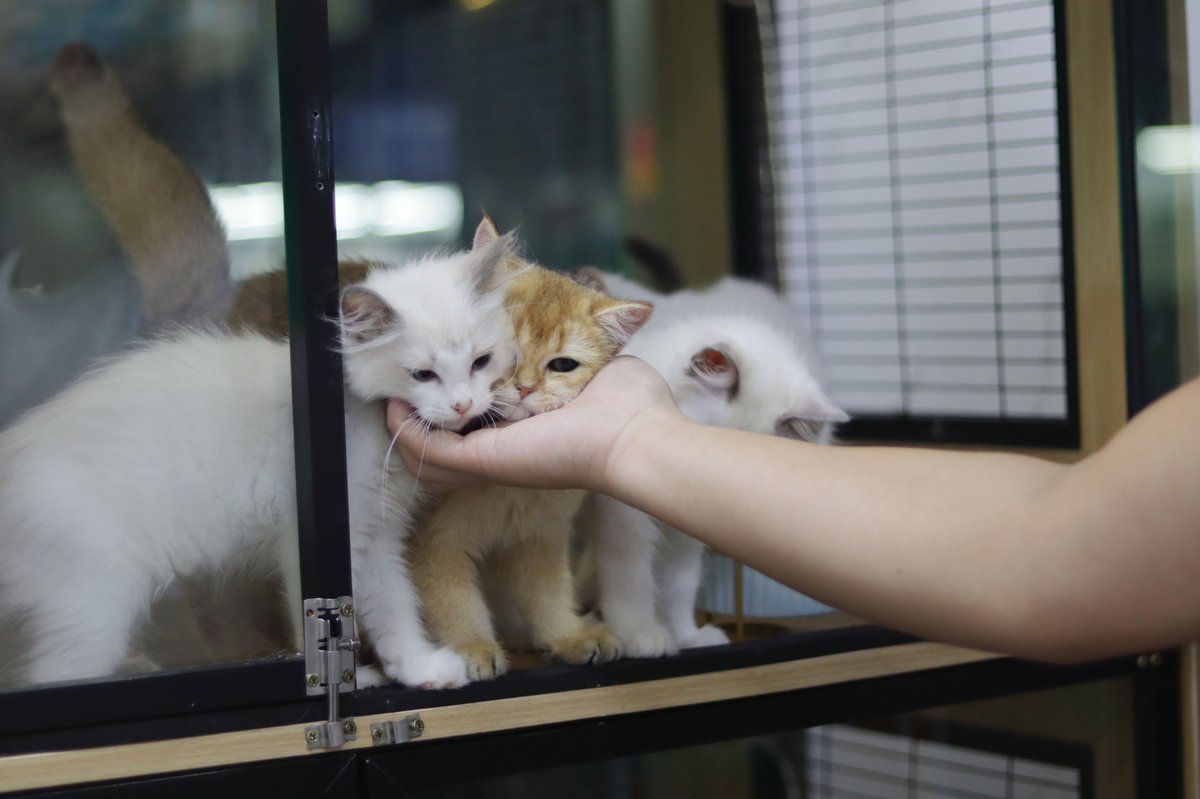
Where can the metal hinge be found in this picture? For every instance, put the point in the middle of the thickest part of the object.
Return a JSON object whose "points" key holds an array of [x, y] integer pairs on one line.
{"points": [[397, 732], [330, 641]]}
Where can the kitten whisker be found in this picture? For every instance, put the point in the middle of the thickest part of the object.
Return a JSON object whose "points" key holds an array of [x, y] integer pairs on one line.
{"points": [[413, 418]]}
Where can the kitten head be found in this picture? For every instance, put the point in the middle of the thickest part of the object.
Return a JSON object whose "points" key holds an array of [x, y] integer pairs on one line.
{"points": [[736, 371], [435, 332], [565, 333]]}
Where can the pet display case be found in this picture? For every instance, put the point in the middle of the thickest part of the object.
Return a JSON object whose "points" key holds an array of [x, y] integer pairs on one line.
{"points": [[657, 114]]}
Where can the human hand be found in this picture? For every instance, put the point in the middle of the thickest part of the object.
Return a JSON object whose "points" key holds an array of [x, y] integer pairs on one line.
{"points": [[571, 447]]}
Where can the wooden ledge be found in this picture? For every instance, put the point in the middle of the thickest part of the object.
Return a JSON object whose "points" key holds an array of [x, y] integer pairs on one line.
{"points": [[49, 769]]}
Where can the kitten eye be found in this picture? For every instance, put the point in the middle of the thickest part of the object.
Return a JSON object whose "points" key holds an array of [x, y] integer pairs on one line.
{"points": [[423, 375], [563, 365], [481, 361]]}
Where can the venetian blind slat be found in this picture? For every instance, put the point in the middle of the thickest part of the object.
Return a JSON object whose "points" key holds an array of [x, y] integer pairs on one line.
{"points": [[916, 151]]}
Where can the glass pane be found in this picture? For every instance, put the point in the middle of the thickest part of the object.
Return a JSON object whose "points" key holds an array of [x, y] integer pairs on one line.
{"points": [[1163, 106], [442, 111], [1069, 743], [919, 206], [140, 181]]}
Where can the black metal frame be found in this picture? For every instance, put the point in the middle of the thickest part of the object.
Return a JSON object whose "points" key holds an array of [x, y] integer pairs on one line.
{"points": [[1143, 99], [302, 41], [1143, 80], [751, 200], [1010, 743], [745, 96], [387, 770], [253, 695], [73, 716], [318, 406]]}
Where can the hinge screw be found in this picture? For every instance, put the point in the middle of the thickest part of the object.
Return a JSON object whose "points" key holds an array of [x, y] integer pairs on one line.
{"points": [[416, 726], [347, 610], [350, 727], [347, 676], [311, 736], [313, 681], [310, 613], [377, 734]]}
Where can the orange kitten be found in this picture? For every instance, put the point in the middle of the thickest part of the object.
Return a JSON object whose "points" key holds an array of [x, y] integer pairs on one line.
{"points": [[519, 537]]}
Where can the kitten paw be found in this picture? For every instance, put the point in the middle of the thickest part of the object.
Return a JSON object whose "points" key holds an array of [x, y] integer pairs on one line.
{"points": [[485, 660], [442, 668], [591, 645], [708, 635], [647, 641], [370, 677]]}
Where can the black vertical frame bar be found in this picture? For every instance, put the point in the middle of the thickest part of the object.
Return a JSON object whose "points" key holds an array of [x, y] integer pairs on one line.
{"points": [[752, 222], [1157, 741], [1066, 205], [1151, 306], [751, 200], [318, 405], [1143, 81]]}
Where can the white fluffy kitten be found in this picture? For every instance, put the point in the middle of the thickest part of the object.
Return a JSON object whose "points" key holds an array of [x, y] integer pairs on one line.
{"points": [[734, 356], [178, 459]]}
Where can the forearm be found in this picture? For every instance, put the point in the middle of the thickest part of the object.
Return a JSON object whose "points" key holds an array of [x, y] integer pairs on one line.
{"points": [[941, 544], [996, 551]]}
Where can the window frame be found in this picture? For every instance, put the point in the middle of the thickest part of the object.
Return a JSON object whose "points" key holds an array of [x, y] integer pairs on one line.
{"points": [[756, 253], [252, 696]]}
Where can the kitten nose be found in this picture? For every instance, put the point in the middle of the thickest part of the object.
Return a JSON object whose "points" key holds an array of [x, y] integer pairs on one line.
{"points": [[462, 406], [524, 391]]}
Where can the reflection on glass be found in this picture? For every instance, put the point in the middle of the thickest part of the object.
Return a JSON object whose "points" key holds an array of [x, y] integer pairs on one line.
{"points": [[141, 193], [113, 118], [382, 216]]}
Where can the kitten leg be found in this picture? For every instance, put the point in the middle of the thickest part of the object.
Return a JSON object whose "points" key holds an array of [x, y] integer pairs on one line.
{"points": [[388, 611], [370, 676], [680, 567], [539, 572], [447, 578], [293, 596], [625, 540], [511, 628], [82, 621]]}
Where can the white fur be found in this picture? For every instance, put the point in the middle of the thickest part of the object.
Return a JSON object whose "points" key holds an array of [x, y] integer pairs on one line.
{"points": [[647, 573], [178, 459]]}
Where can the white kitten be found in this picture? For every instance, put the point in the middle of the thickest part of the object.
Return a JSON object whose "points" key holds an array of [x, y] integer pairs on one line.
{"points": [[178, 459], [733, 356]]}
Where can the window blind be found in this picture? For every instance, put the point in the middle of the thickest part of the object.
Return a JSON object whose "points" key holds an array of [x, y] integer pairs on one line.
{"points": [[918, 178]]}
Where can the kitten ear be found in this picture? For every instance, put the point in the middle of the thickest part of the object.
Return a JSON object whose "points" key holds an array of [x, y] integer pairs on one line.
{"points": [[812, 421], [364, 316], [621, 319], [591, 277], [485, 233], [715, 368], [491, 271]]}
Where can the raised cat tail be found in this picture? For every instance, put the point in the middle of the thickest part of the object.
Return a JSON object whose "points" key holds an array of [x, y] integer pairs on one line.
{"points": [[157, 206]]}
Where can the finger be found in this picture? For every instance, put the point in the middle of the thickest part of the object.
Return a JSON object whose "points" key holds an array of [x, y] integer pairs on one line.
{"points": [[398, 411], [435, 479]]}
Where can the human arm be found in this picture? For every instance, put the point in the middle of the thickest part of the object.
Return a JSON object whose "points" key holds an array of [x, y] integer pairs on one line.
{"points": [[996, 551]]}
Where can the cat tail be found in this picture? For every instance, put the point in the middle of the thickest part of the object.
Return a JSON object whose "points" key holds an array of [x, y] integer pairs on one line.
{"points": [[156, 205], [662, 268]]}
